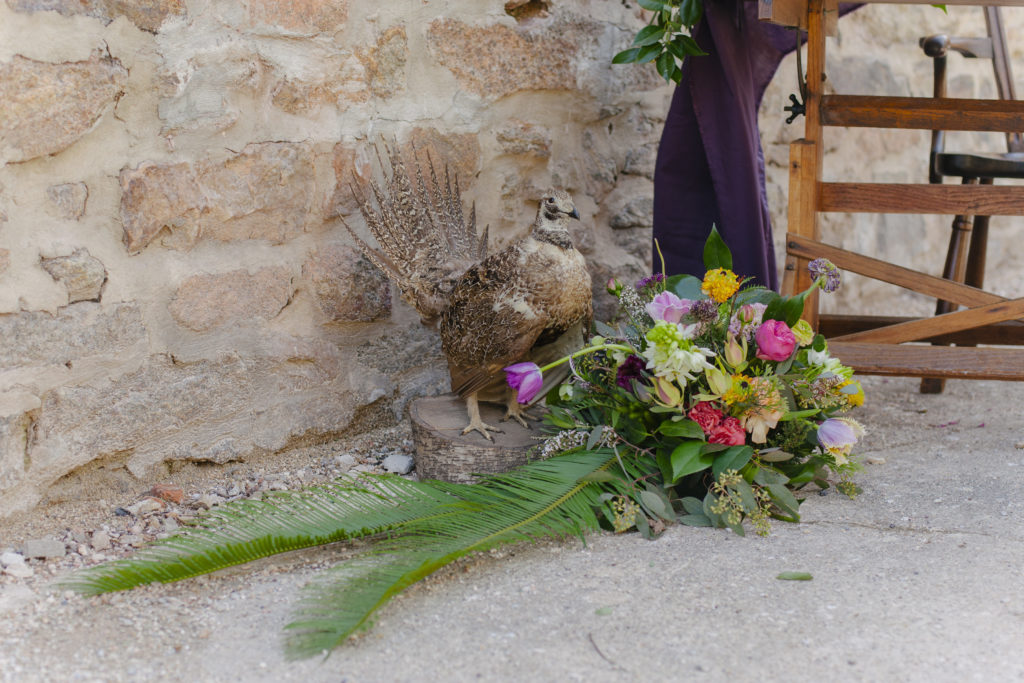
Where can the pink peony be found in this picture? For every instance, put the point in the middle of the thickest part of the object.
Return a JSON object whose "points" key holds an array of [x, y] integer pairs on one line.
{"points": [[706, 415], [775, 341], [668, 307], [526, 379], [729, 432]]}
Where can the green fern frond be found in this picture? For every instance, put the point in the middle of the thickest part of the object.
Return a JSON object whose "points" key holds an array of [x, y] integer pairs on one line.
{"points": [[546, 498], [243, 531]]}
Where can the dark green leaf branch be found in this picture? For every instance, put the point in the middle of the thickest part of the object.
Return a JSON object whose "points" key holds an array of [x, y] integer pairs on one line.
{"points": [[668, 39]]}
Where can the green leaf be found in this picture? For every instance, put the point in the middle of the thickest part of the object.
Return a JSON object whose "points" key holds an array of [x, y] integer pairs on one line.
{"points": [[794, 576], [732, 458], [685, 286], [819, 343], [595, 437], [695, 520], [686, 429], [605, 330], [798, 414], [648, 35], [642, 525], [690, 46], [603, 611], [716, 252], [666, 64], [656, 505], [653, 5], [693, 505], [793, 308], [648, 53], [765, 476], [746, 495], [687, 458], [602, 476], [755, 295], [775, 455], [690, 12], [627, 56], [784, 498]]}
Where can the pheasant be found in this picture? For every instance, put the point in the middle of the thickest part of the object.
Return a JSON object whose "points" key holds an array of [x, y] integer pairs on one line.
{"points": [[530, 301]]}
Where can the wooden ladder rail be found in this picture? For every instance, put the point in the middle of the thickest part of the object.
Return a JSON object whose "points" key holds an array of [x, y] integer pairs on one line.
{"points": [[879, 348]]}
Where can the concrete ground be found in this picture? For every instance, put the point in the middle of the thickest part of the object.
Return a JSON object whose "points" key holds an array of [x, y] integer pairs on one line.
{"points": [[918, 579]]}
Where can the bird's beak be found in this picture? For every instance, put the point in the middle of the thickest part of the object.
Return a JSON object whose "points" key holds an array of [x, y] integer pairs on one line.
{"points": [[575, 214]]}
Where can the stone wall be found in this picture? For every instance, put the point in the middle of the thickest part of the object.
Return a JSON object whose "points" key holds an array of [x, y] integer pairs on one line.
{"points": [[175, 284], [174, 281]]}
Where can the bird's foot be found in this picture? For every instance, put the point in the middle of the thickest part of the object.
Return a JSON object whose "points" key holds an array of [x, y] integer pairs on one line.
{"points": [[518, 413], [478, 425]]}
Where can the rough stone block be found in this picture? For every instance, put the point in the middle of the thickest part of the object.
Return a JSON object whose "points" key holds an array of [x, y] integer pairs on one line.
{"points": [[351, 167], [146, 14], [347, 287], [384, 63], [460, 151], [638, 212], [48, 107], [265, 192], [520, 137], [85, 329], [46, 548], [82, 274], [69, 199], [206, 301], [495, 61], [291, 17], [5, 260]]}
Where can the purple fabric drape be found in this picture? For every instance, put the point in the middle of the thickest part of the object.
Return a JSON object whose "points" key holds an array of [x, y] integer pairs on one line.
{"points": [[710, 167]]}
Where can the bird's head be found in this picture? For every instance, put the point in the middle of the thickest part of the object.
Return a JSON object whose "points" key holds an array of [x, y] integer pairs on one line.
{"points": [[556, 206]]}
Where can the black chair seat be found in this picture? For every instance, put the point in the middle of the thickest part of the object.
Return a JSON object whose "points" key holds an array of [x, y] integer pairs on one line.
{"points": [[981, 165]]}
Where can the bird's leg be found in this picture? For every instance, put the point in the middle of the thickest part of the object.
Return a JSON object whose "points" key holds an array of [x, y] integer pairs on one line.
{"points": [[475, 423], [516, 411]]}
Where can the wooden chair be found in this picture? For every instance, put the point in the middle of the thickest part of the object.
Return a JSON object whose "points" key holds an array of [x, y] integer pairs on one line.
{"points": [[965, 257], [878, 344]]}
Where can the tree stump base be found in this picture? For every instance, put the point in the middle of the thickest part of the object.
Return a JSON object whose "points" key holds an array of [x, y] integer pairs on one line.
{"points": [[443, 452]]}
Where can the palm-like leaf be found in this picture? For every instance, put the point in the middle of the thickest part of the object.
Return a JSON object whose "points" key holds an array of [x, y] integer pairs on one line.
{"points": [[547, 498], [420, 528], [243, 531]]}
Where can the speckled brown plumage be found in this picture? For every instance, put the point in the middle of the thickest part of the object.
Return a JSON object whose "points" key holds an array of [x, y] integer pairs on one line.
{"points": [[530, 301]]}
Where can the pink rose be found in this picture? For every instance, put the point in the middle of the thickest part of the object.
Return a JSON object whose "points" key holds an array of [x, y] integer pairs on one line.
{"points": [[775, 341], [668, 307], [706, 415], [729, 432]]}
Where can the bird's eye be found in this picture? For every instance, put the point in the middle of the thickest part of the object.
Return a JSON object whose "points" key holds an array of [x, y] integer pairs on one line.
{"points": [[550, 200]]}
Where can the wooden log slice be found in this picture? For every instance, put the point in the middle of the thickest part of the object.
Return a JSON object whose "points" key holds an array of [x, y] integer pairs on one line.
{"points": [[444, 452]]}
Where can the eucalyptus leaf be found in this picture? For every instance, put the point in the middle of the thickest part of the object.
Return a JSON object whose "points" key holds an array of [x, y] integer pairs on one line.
{"points": [[765, 476], [746, 495], [685, 286], [795, 576], [692, 505], [695, 520], [658, 507], [784, 498], [595, 437], [776, 455], [642, 525]]}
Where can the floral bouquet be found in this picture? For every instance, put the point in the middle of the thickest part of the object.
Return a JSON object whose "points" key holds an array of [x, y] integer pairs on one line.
{"points": [[707, 405], [719, 401]]}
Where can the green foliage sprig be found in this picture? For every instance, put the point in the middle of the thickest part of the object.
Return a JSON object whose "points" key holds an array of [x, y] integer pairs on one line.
{"points": [[667, 39]]}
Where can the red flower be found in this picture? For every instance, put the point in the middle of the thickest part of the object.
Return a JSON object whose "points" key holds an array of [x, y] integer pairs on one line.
{"points": [[729, 432], [706, 415]]}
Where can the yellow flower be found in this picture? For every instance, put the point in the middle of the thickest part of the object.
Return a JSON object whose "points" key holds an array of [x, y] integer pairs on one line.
{"points": [[803, 332], [720, 284], [740, 391], [855, 399]]}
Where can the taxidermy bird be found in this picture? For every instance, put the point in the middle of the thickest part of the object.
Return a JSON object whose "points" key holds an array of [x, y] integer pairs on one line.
{"points": [[529, 302]]}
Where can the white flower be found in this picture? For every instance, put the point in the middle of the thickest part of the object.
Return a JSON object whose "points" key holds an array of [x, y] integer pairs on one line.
{"points": [[676, 364]]}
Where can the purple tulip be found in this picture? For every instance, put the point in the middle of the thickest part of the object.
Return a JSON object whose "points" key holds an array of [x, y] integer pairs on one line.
{"points": [[775, 341], [526, 379], [668, 307]]}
